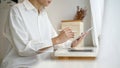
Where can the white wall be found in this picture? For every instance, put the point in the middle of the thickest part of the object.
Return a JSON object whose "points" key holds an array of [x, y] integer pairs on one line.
{"points": [[3, 43], [65, 10]]}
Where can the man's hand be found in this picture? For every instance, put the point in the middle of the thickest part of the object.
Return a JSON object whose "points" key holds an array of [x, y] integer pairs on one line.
{"points": [[78, 40], [64, 35]]}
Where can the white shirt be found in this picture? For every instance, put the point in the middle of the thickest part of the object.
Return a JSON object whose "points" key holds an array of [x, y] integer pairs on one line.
{"points": [[28, 32]]}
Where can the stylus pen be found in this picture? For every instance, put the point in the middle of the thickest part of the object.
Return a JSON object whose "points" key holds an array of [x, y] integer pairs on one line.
{"points": [[61, 30]]}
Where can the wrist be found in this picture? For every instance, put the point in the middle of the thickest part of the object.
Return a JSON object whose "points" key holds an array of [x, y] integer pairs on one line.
{"points": [[56, 40]]}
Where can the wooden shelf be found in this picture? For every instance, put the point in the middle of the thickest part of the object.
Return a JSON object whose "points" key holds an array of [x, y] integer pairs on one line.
{"points": [[75, 58], [71, 21]]}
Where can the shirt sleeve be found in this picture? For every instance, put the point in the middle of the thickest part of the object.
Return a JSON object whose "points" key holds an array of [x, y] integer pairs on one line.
{"points": [[20, 36]]}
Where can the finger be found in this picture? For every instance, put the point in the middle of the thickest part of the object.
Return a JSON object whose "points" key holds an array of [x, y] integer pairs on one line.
{"points": [[79, 40], [70, 35], [65, 29], [69, 32], [81, 37]]}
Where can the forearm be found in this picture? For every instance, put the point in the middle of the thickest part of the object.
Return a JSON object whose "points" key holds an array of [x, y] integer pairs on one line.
{"points": [[43, 49], [55, 41]]}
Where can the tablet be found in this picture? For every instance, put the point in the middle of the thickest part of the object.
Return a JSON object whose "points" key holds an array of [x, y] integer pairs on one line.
{"points": [[85, 32]]}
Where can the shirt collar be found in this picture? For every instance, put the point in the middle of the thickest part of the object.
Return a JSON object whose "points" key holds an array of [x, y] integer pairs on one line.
{"points": [[28, 5]]}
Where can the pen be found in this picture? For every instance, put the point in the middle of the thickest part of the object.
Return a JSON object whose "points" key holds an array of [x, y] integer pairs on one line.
{"points": [[89, 29], [61, 30]]}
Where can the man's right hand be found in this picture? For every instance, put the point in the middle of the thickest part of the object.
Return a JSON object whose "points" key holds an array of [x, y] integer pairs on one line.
{"points": [[64, 35]]}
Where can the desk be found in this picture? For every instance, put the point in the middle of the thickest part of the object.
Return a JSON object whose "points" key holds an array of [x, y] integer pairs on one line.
{"points": [[105, 59], [108, 56]]}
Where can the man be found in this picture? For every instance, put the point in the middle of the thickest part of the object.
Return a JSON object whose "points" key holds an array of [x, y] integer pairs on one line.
{"points": [[31, 34]]}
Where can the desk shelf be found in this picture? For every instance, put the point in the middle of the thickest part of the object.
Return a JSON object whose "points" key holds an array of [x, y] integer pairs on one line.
{"points": [[78, 28]]}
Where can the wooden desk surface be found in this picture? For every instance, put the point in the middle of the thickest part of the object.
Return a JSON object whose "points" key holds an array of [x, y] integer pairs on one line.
{"points": [[75, 58]]}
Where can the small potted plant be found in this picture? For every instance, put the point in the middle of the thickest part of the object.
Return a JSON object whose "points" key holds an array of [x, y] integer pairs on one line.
{"points": [[80, 14]]}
